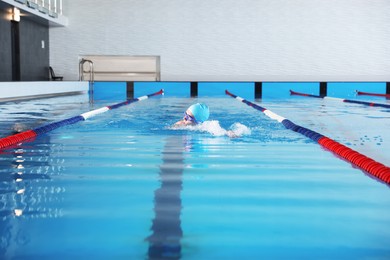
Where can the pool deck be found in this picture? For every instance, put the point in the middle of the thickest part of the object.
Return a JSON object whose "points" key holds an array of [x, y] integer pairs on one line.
{"points": [[13, 91]]}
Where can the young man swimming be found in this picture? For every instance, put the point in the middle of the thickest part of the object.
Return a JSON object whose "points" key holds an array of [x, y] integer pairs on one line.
{"points": [[195, 114]]}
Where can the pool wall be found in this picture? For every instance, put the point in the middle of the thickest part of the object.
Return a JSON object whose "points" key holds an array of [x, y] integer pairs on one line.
{"points": [[10, 91], [248, 90]]}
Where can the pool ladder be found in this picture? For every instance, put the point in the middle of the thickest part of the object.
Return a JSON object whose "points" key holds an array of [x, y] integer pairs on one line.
{"points": [[91, 76], [81, 70]]}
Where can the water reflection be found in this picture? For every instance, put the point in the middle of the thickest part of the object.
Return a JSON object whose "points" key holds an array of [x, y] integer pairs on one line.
{"points": [[165, 241], [26, 190]]}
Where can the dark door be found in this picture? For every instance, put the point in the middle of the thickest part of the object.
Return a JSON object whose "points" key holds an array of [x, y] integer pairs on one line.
{"points": [[15, 50]]}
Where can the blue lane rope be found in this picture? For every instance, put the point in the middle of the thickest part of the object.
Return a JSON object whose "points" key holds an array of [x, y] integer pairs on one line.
{"points": [[372, 104], [379, 170], [55, 125], [372, 94], [31, 134]]}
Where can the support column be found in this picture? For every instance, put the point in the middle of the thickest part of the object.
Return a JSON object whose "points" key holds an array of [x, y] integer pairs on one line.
{"points": [[323, 89], [258, 89], [194, 89], [130, 89]]}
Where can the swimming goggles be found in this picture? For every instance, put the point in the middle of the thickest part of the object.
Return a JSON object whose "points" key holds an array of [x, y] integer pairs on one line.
{"points": [[187, 117]]}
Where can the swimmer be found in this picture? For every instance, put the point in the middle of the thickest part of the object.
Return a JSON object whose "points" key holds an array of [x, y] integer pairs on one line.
{"points": [[195, 114]]}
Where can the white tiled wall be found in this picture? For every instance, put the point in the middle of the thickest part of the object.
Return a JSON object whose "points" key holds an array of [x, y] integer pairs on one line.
{"points": [[232, 39]]}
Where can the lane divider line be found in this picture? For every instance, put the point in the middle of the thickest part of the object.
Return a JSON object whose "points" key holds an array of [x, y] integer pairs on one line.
{"points": [[372, 94], [374, 168], [31, 134], [372, 104]]}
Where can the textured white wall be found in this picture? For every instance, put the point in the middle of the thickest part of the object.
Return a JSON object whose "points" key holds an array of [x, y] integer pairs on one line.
{"points": [[232, 39]]}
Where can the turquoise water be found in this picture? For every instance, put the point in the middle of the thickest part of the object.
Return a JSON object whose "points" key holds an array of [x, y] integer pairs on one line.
{"points": [[126, 185]]}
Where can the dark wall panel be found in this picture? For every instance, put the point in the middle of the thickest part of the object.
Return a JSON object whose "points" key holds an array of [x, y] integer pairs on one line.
{"points": [[34, 58], [5, 47]]}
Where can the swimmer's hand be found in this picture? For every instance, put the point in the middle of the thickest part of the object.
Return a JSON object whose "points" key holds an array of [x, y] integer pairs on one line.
{"points": [[182, 123]]}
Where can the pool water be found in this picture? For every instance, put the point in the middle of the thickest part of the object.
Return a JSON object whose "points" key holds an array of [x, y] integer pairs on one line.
{"points": [[126, 185]]}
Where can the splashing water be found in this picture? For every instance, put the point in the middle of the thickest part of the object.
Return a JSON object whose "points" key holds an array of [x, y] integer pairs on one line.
{"points": [[213, 127], [240, 129]]}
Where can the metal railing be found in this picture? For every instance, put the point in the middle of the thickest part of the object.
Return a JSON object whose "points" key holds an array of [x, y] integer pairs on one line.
{"points": [[119, 68], [81, 70], [51, 7]]}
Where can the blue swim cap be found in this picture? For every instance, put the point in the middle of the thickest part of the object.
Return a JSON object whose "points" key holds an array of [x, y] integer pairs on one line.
{"points": [[200, 112]]}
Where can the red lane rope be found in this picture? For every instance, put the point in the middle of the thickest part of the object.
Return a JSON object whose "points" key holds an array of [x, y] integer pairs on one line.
{"points": [[376, 169], [17, 138], [24, 136], [372, 94], [303, 94], [369, 165]]}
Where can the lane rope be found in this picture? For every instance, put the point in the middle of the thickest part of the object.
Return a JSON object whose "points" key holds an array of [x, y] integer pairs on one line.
{"points": [[31, 134], [374, 168], [372, 94], [372, 104]]}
